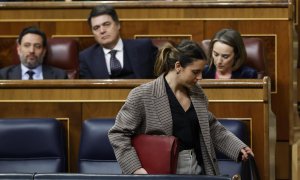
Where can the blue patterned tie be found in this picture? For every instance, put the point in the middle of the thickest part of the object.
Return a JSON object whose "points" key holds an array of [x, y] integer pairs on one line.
{"points": [[30, 73], [115, 65]]}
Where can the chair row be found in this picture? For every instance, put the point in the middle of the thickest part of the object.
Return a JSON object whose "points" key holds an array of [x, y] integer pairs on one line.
{"points": [[38, 146], [95, 157], [63, 53]]}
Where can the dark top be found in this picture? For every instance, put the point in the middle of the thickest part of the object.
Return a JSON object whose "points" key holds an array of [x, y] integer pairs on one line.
{"points": [[185, 124], [244, 72]]}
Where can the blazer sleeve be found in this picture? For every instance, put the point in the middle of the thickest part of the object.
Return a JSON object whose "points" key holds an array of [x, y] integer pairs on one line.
{"points": [[63, 75], [51, 72], [248, 73], [84, 72], [153, 56], [142, 54], [147, 68], [128, 121], [253, 74], [60, 73], [224, 140], [3, 73]]}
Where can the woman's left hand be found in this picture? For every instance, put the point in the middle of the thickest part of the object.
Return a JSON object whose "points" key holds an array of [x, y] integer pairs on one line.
{"points": [[245, 151]]}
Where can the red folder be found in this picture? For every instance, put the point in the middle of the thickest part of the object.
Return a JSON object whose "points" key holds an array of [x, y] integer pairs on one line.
{"points": [[158, 154]]}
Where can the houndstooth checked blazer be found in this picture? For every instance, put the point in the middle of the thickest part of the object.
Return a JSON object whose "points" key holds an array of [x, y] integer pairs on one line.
{"points": [[147, 110]]}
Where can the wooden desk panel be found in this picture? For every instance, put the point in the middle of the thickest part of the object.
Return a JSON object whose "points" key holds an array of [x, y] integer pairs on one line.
{"points": [[77, 100]]}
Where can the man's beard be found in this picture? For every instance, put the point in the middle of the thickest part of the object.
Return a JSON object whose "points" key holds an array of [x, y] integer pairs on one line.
{"points": [[31, 64]]}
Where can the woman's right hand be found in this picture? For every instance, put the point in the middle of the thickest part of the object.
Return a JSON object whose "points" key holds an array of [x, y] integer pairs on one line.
{"points": [[140, 171]]}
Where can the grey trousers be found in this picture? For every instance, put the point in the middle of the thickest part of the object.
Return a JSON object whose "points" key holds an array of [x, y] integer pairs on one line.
{"points": [[187, 163]]}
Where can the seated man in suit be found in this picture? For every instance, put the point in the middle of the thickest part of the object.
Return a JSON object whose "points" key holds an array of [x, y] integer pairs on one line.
{"points": [[32, 47], [113, 57]]}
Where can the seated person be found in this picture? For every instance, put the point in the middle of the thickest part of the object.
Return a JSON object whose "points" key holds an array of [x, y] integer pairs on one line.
{"points": [[113, 57], [32, 47], [227, 55]]}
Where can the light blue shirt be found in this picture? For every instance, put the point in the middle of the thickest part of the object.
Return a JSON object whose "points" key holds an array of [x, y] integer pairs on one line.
{"points": [[38, 73]]}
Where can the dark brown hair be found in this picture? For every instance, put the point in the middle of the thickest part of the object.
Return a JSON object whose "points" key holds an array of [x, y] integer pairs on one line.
{"points": [[186, 52], [102, 10], [232, 38], [32, 30]]}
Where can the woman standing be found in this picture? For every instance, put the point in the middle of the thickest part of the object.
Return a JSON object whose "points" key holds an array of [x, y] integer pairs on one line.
{"points": [[175, 104]]}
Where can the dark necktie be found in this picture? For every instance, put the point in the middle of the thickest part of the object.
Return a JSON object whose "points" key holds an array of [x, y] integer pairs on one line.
{"points": [[115, 65], [30, 73]]}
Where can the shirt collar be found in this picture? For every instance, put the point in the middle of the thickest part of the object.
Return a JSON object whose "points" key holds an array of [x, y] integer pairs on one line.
{"points": [[37, 70], [118, 47]]}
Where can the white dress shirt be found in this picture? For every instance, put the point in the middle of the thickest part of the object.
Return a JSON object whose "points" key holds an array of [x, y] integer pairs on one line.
{"points": [[119, 54]]}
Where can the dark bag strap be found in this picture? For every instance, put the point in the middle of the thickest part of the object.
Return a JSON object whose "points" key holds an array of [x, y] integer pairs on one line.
{"points": [[249, 169]]}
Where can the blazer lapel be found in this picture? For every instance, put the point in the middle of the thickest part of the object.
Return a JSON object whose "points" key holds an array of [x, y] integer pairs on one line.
{"points": [[47, 73], [133, 57], [200, 104], [98, 65], [15, 73], [162, 105]]}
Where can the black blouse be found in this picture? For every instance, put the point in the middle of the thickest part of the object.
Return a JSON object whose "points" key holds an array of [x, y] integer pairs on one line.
{"points": [[185, 123]]}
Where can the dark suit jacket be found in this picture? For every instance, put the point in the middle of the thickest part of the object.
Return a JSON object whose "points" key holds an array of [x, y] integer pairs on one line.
{"points": [[14, 72], [140, 53], [243, 72], [147, 110]]}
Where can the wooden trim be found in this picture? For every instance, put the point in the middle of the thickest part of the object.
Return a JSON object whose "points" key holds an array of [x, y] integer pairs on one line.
{"points": [[149, 4]]}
